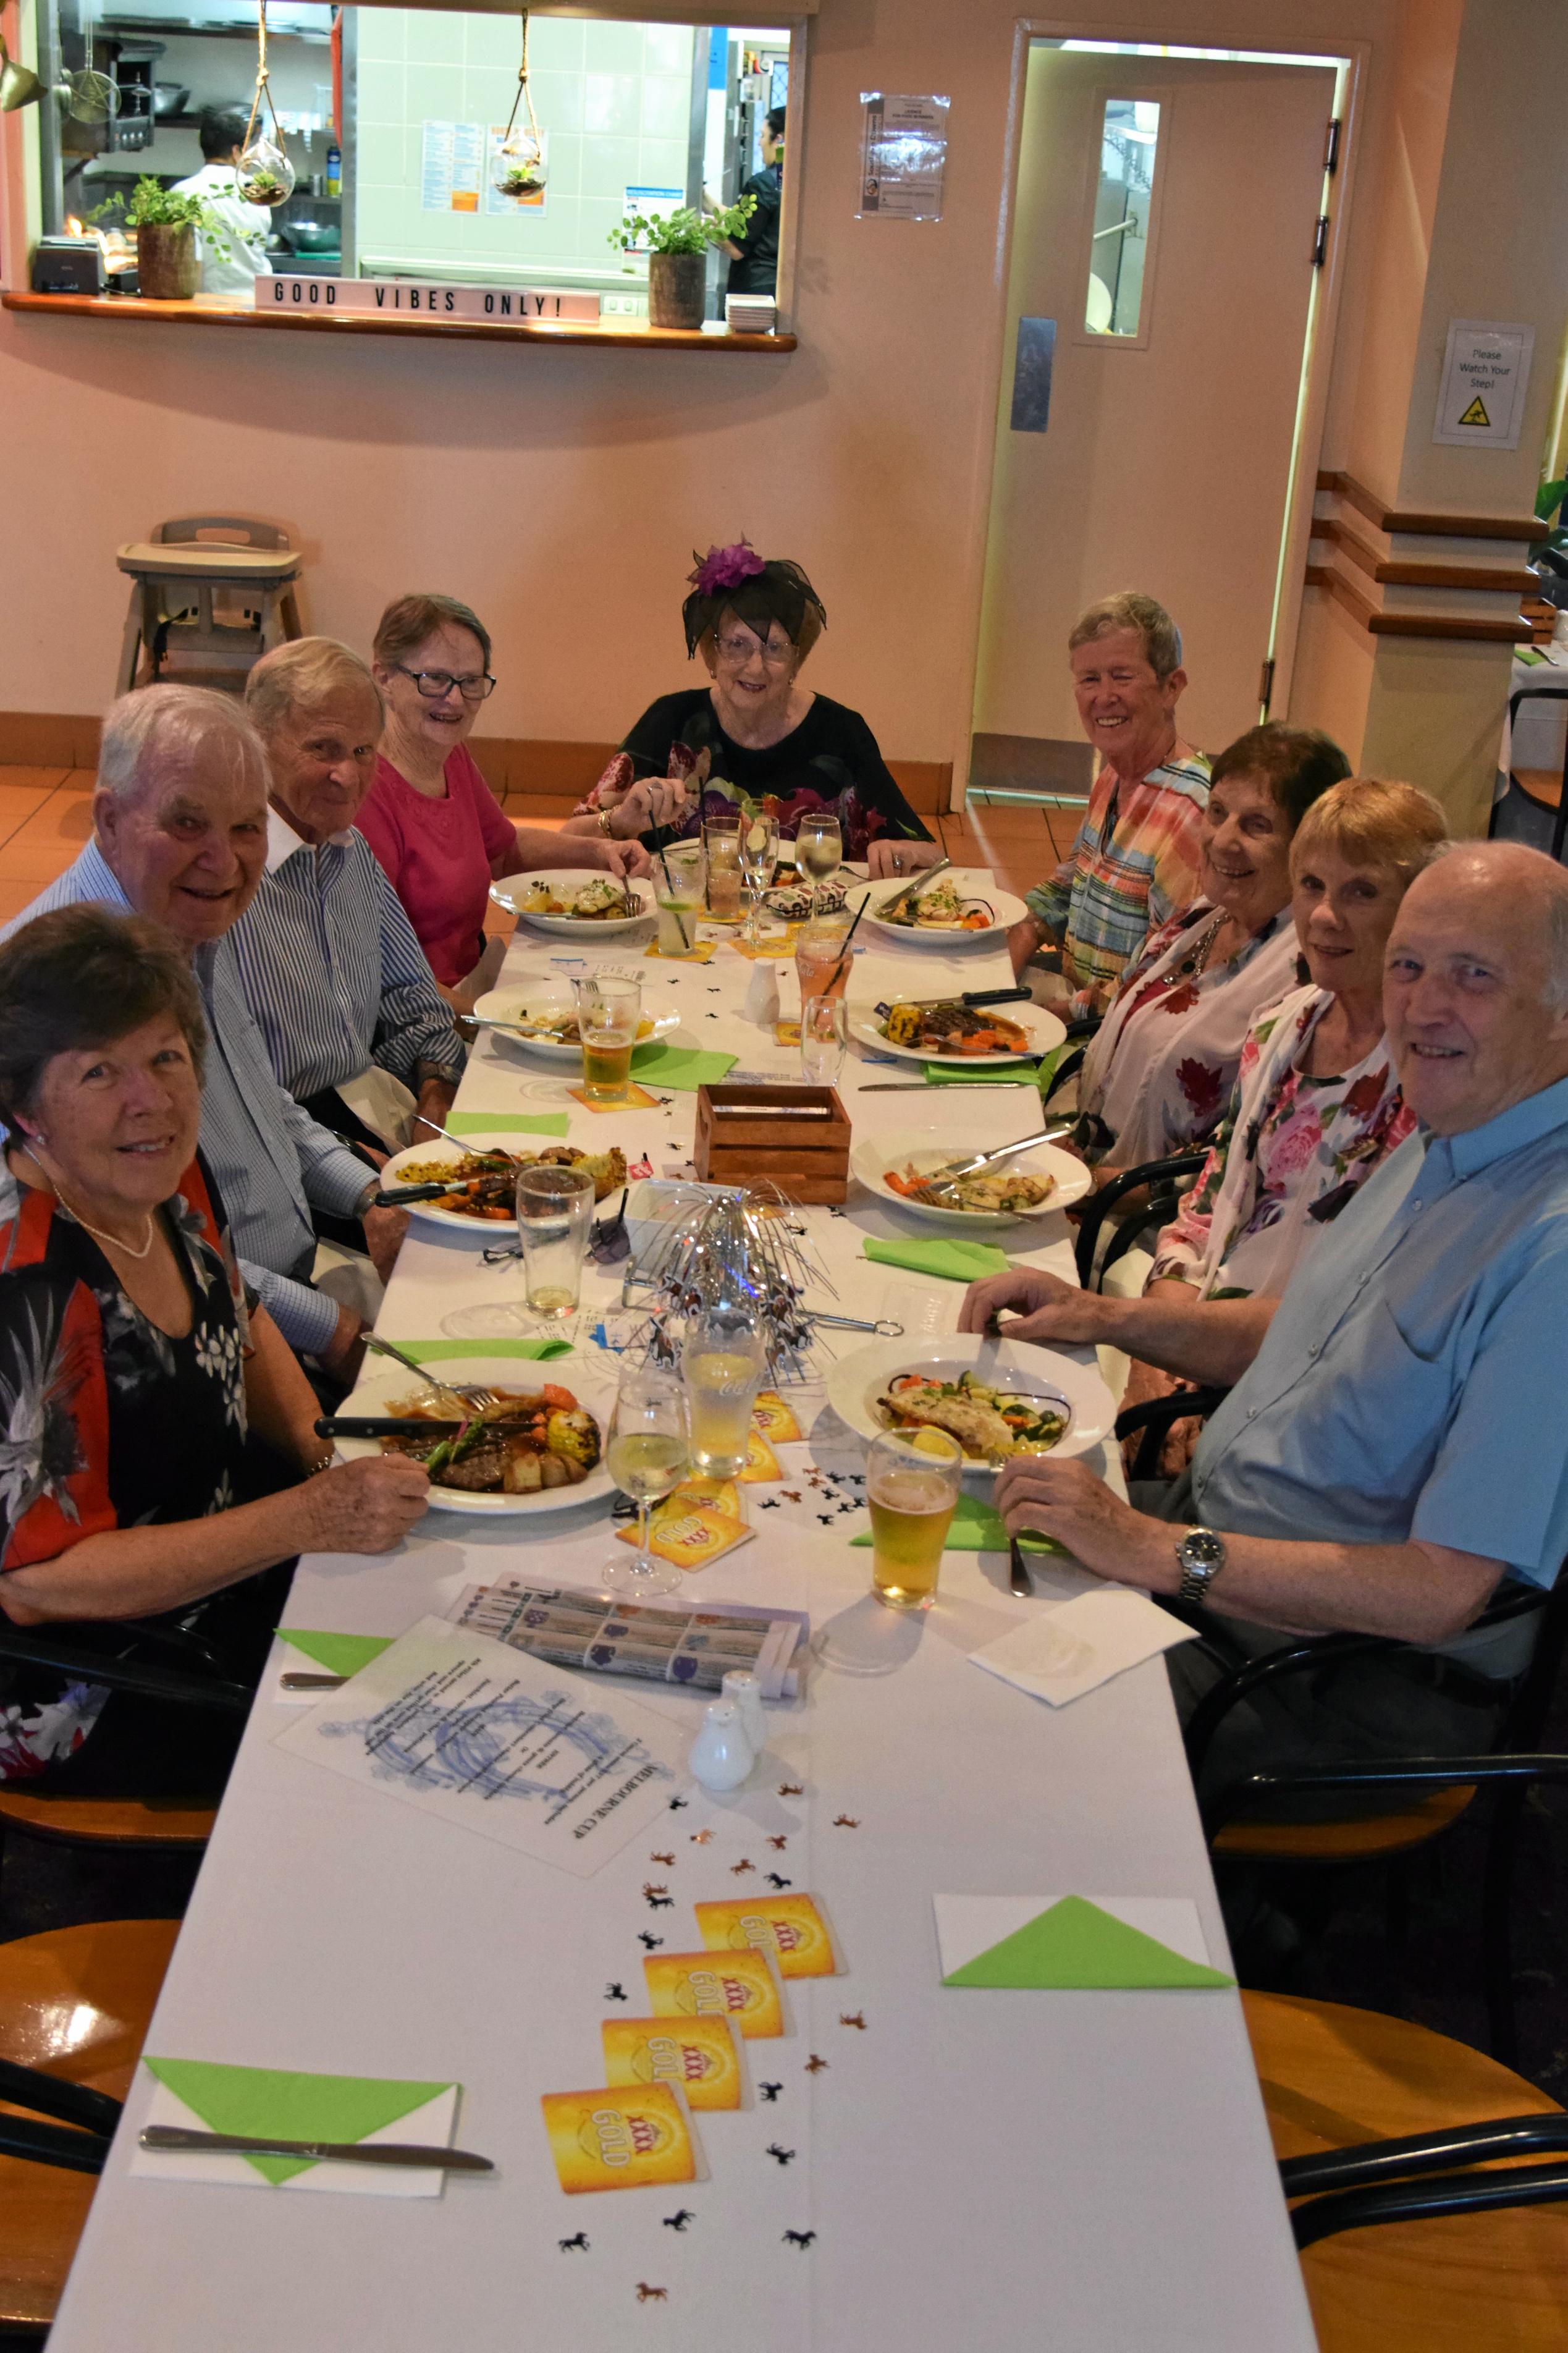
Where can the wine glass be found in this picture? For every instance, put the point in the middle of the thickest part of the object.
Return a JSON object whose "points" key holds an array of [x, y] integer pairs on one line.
{"points": [[759, 855], [723, 1362], [818, 852], [647, 1456]]}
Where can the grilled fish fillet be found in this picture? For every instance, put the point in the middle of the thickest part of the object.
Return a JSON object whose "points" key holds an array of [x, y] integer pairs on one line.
{"points": [[979, 1429]]}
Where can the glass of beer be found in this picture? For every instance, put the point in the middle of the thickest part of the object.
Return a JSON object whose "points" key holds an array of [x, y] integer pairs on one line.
{"points": [[721, 839], [608, 1011], [646, 1458], [723, 1363], [679, 872], [555, 1210], [912, 1486]]}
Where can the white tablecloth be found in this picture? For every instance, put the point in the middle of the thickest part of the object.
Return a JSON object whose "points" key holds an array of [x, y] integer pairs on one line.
{"points": [[1089, 2171]]}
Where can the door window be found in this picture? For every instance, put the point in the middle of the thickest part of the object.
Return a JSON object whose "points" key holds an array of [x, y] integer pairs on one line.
{"points": [[1124, 196]]}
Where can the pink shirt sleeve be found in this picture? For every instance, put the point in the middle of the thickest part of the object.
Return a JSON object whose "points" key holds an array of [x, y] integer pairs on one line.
{"points": [[464, 773]]}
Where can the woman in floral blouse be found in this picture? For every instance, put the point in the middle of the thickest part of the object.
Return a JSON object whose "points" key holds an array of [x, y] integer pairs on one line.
{"points": [[1158, 1073], [134, 1369]]}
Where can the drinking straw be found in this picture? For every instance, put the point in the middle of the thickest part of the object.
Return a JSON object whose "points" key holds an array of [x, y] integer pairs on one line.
{"points": [[844, 950]]}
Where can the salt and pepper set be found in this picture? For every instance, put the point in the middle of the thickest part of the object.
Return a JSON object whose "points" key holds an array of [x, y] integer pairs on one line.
{"points": [[733, 1734]]}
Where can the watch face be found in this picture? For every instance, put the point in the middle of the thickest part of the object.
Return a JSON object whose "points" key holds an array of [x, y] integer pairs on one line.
{"points": [[1202, 1549]]}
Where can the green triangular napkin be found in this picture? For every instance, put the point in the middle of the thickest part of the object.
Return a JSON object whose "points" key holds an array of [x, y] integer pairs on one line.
{"points": [[508, 1122], [683, 1069], [260, 2099], [977, 1527], [445, 1351], [1074, 1943], [947, 1074], [341, 1654], [956, 1260]]}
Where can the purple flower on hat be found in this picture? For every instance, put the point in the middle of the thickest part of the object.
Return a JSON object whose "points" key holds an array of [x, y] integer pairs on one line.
{"points": [[726, 567]]}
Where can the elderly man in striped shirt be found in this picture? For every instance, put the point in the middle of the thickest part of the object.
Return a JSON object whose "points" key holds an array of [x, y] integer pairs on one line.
{"points": [[1136, 861], [339, 987]]}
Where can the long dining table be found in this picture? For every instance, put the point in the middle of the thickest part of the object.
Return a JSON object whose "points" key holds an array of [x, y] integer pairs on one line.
{"points": [[931, 2168]]}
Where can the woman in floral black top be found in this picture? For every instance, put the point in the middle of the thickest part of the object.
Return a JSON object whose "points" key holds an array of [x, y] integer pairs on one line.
{"points": [[133, 1370]]}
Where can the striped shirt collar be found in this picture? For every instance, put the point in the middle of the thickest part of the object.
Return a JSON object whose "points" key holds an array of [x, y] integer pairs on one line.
{"points": [[283, 842]]}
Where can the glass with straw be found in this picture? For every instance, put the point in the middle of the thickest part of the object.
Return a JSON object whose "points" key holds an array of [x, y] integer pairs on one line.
{"points": [[647, 1456], [678, 877]]}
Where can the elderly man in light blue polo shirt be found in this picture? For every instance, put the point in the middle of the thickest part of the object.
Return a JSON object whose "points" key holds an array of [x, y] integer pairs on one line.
{"points": [[1395, 1443]]}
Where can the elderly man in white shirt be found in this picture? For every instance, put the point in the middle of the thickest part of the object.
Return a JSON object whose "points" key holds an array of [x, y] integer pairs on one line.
{"points": [[245, 225]]}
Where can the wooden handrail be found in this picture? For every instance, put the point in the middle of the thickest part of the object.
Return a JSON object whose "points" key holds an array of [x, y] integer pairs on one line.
{"points": [[1403, 572], [1380, 624], [1437, 526]]}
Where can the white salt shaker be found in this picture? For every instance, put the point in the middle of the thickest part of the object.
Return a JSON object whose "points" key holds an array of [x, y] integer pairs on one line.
{"points": [[743, 1688], [762, 1003], [721, 1755]]}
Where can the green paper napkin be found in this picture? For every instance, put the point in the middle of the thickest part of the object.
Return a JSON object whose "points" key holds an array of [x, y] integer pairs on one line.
{"points": [[956, 1260], [977, 1527], [508, 1122], [948, 1075], [341, 1654], [443, 1351], [683, 1069], [1074, 1943], [261, 2100]]}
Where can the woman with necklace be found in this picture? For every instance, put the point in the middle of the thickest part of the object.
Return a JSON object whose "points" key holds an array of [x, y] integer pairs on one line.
{"points": [[1158, 1073], [755, 736], [135, 1372]]}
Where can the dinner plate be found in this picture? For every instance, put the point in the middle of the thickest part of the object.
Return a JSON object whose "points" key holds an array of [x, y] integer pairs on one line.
{"points": [[1045, 1031], [874, 1156], [513, 1005], [561, 879], [1069, 1377], [439, 1154], [1006, 908], [381, 1383]]}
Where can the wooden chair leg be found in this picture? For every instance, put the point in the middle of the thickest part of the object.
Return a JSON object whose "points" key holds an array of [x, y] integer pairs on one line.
{"points": [[131, 643], [290, 611], [152, 622]]}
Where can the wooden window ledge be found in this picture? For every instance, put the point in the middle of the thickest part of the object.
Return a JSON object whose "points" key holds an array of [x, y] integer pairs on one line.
{"points": [[213, 311]]}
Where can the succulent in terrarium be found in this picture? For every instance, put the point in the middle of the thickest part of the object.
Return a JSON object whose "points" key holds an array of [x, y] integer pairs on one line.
{"points": [[518, 166], [264, 173]]}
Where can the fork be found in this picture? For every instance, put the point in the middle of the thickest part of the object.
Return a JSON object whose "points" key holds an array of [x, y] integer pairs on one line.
{"points": [[470, 1397], [942, 1179]]}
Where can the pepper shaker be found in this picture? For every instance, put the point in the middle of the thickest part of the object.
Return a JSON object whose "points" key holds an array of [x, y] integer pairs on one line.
{"points": [[743, 1688], [721, 1755]]}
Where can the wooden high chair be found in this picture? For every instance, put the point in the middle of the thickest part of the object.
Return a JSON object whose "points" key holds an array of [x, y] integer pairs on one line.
{"points": [[177, 577]]}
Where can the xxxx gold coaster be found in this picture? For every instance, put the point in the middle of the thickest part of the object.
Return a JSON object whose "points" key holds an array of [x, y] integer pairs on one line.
{"points": [[637, 1099]]}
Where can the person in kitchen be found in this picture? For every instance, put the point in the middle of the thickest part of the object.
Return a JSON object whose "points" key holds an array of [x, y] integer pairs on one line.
{"points": [[221, 130], [754, 255]]}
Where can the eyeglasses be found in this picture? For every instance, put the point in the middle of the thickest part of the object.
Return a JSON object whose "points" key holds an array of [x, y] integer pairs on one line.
{"points": [[741, 650], [435, 685]]}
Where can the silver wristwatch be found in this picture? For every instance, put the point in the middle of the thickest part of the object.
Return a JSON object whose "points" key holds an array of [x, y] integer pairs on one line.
{"points": [[1201, 1557]]}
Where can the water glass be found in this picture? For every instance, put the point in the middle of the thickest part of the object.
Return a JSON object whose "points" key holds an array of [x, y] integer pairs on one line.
{"points": [[818, 848], [609, 1008], [723, 1363], [647, 1456], [824, 1040], [721, 839], [554, 1211], [679, 875], [759, 856], [912, 1487]]}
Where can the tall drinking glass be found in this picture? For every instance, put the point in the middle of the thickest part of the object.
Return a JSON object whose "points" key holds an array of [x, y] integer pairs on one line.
{"points": [[721, 839], [824, 1040], [608, 1011], [679, 872], [912, 1486], [818, 851], [647, 1457], [759, 856], [819, 958], [723, 1363], [555, 1210]]}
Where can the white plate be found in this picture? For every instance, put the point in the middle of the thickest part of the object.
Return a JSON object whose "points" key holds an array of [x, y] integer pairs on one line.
{"points": [[1043, 1031], [382, 1381], [438, 1153], [1027, 1371], [561, 879], [874, 1156], [508, 1005], [1006, 908]]}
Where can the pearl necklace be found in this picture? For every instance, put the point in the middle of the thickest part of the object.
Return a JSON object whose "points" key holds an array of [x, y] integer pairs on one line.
{"points": [[99, 1236]]}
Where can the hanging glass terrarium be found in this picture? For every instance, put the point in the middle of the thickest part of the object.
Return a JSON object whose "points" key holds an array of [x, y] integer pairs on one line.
{"points": [[263, 176], [516, 165]]}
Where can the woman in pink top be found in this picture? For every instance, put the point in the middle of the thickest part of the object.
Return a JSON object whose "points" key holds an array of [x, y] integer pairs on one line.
{"points": [[430, 817]]}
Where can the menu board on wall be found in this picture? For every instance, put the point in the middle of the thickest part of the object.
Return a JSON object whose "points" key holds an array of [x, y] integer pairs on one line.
{"points": [[903, 156], [451, 157]]}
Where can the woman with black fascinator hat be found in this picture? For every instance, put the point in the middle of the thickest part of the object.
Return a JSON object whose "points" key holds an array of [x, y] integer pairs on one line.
{"points": [[755, 737]]}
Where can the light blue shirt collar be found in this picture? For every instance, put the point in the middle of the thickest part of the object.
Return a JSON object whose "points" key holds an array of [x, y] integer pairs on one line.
{"points": [[1523, 1122]]}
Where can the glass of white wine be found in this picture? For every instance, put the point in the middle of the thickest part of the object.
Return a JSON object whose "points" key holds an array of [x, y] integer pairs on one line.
{"points": [[759, 855], [818, 852], [647, 1456], [723, 1363]]}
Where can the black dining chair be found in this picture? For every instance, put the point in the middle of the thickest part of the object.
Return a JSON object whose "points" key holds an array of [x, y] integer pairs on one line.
{"points": [[1546, 788]]}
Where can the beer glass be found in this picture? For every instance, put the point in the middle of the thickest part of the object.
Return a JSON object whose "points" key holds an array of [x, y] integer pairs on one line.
{"points": [[912, 1486]]}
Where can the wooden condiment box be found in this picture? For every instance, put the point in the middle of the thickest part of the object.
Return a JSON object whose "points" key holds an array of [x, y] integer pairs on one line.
{"points": [[798, 1137]]}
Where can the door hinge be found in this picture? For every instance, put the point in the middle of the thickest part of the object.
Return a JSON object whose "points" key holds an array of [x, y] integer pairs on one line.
{"points": [[1265, 686], [1320, 241], [1332, 147]]}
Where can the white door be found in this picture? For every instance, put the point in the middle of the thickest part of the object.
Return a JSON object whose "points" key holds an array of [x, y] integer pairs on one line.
{"points": [[1163, 242]]}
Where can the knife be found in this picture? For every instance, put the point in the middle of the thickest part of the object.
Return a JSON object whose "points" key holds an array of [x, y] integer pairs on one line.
{"points": [[295, 1681], [351, 2152], [912, 890], [954, 1086], [969, 996], [1018, 1576], [367, 1425]]}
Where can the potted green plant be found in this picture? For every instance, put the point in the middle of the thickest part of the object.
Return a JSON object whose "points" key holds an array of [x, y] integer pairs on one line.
{"points": [[168, 267], [677, 246]]}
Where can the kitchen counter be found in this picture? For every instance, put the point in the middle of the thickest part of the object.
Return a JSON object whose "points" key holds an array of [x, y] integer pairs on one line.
{"points": [[214, 311]]}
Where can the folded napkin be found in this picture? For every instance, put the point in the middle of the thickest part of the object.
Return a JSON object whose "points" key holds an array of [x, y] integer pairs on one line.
{"points": [[947, 1074], [977, 1527], [683, 1069], [443, 1351], [339, 1654], [1071, 1941], [508, 1122], [958, 1261], [209, 2098], [1059, 1654]]}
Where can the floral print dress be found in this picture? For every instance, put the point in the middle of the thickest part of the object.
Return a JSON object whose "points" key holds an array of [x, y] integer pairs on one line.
{"points": [[105, 1421], [1292, 1151]]}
